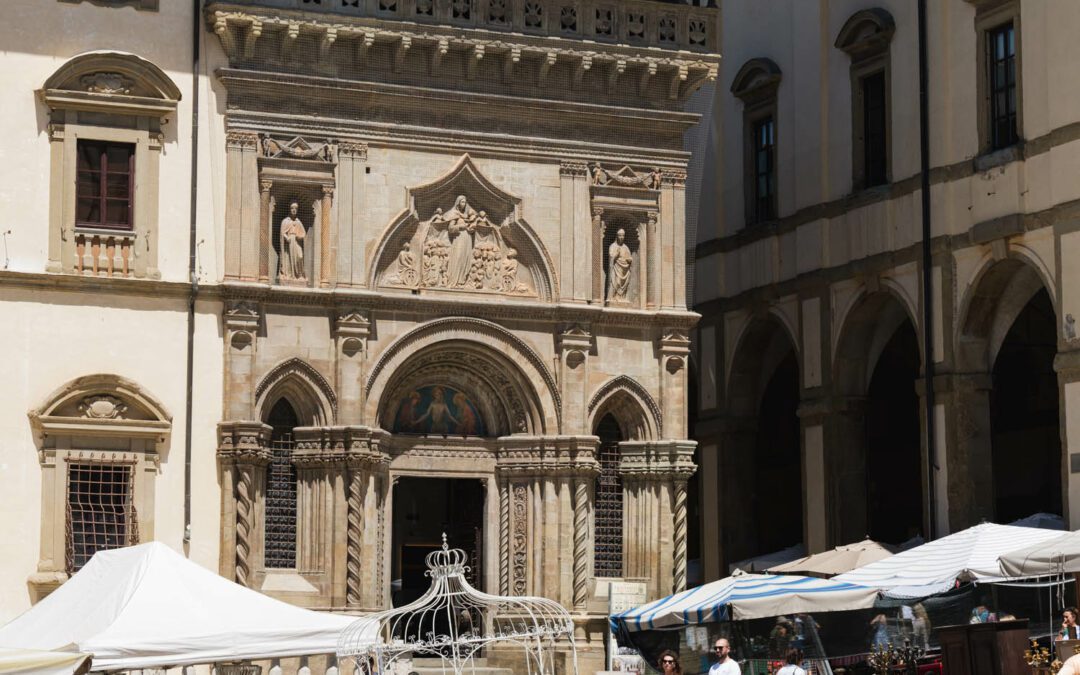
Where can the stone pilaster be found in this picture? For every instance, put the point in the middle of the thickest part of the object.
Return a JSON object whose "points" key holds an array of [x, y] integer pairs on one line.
{"points": [[574, 240], [265, 228], [351, 330], [672, 240], [242, 205], [243, 454], [845, 463], [968, 462], [597, 249], [327, 246], [674, 349], [574, 344], [351, 214], [241, 322], [654, 473]]}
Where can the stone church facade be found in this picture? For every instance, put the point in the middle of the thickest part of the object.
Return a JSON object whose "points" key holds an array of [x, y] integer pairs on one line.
{"points": [[436, 284]]}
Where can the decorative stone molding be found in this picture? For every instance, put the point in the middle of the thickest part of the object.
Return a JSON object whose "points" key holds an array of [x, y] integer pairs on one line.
{"points": [[149, 5], [111, 82], [244, 442], [356, 150], [674, 348], [241, 140], [573, 168], [867, 32], [295, 148], [241, 320], [657, 460], [625, 176], [102, 404], [549, 456], [637, 412], [574, 343], [312, 396], [674, 177], [757, 80], [520, 538]]}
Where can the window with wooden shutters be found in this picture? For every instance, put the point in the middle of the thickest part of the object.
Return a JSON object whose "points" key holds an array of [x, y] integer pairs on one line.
{"points": [[105, 188], [100, 511]]}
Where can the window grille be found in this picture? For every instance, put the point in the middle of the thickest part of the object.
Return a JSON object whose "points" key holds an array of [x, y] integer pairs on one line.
{"points": [[609, 504], [100, 511], [875, 161], [764, 139], [1001, 62], [104, 192], [280, 548]]}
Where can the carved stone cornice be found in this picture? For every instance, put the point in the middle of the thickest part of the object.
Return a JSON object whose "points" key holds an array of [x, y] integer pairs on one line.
{"points": [[573, 168], [244, 442], [657, 460], [355, 447], [357, 151], [548, 456], [668, 74], [674, 177]]}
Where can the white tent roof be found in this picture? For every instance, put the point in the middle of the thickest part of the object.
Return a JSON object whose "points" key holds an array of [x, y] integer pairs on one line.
{"points": [[934, 567], [746, 596], [30, 662], [765, 561], [836, 561], [147, 606], [1060, 555]]}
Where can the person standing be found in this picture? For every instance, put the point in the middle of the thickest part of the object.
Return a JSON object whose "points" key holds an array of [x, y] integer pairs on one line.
{"points": [[725, 665], [792, 659], [1069, 629]]}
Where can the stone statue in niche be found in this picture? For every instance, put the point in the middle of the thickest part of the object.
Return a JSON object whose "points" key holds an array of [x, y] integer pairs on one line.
{"points": [[461, 248], [292, 245], [620, 260]]}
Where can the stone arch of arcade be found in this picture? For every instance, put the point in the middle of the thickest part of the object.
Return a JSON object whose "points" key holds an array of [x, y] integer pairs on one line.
{"points": [[762, 512], [1006, 424], [874, 456]]}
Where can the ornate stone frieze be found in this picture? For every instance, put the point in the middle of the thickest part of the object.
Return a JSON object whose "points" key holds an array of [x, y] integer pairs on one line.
{"points": [[625, 177], [520, 539], [674, 177], [353, 149], [572, 456], [296, 148], [573, 168], [241, 140], [244, 442], [657, 460]]}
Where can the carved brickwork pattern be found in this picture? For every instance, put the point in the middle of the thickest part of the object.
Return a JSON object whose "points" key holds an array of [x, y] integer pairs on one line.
{"points": [[521, 539]]}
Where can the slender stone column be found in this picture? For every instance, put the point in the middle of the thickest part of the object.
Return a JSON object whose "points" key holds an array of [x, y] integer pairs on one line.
{"points": [[243, 452], [598, 255], [358, 483], [326, 254], [652, 261], [680, 536], [581, 543], [265, 227]]}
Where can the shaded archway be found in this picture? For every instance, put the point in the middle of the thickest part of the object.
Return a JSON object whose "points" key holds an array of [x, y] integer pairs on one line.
{"points": [[873, 434], [1010, 333], [762, 504], [1025, 436]]}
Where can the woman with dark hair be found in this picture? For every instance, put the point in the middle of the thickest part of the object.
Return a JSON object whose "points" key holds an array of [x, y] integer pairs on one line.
{"points": [[793, 658], [669, 663]]}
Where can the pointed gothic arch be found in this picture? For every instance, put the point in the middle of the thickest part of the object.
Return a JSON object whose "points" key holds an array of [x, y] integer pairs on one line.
{"points": [[306, 390], [631, 405]]}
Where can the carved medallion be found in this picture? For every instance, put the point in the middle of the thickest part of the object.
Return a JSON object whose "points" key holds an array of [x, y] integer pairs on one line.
{"points": [[103, 407]]}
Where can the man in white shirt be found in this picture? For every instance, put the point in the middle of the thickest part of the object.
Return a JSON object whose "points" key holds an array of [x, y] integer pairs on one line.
{"points": [[725, 665]]}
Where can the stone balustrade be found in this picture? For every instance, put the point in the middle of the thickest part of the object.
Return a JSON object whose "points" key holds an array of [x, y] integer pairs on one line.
{"points": [[108, 253]]}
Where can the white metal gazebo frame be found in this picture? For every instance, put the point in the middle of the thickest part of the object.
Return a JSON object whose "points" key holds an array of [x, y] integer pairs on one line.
{"points": [[454, 622]]}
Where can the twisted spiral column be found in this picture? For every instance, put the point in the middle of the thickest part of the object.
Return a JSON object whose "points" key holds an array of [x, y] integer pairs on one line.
{"points": [[680, 536], [355, 532], [504, 538], [245, 510], [581, 542]]}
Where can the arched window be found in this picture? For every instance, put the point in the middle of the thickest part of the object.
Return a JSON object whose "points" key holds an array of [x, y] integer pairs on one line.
{"points": [[280, 548], [609, 502]]}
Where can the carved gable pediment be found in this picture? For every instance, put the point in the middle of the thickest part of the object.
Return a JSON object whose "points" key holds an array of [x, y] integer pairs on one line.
{"points": [[462, 233], [113, 82]]}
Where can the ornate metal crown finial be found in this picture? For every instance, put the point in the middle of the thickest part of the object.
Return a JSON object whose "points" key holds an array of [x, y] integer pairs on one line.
{"points": [[447, 561]]}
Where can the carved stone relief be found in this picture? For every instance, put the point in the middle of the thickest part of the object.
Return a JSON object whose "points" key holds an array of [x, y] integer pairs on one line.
{"points": [[291, 258], [519, 555], [626, 177]]}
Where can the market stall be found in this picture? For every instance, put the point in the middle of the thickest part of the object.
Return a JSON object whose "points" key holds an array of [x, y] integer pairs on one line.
{"points": [[147, 606]]}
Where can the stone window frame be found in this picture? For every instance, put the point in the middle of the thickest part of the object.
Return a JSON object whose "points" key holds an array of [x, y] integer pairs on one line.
{"points": [[989, 15], [148, 5], [96, 419], [109, 97], [757, 85], [866, 38]]}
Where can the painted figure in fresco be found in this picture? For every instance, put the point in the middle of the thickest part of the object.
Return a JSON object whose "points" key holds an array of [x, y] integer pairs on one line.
{"points": [[292, 245], [407, 412], [438, 413], [619, 262], [466, 418], [460, 223]]}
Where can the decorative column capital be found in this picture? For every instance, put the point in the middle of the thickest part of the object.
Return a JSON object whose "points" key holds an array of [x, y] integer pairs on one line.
{"points": [[241, 140], [674, 177], [657, 460], [353, 149], [328, 191], [573, 168], [265, 184], [244, 442], [598, 212]]}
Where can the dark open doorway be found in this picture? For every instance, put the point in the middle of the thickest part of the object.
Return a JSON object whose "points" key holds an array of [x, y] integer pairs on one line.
{"points": [[778, 461], [424, 509], [1026, 440], [893, 445]]}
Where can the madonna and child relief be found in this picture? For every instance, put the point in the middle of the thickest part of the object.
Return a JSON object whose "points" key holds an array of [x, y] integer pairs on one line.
{"points": [[460, 248], [438, 410]]}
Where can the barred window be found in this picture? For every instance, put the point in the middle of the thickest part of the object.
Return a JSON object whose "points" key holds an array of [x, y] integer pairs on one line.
{"points": [[609, 503], [280, 548], [100, 511]]}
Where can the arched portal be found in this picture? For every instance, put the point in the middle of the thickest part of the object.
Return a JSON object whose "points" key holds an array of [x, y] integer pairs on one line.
{"points": [[766, 510], [875, 465], [1008, 338]]}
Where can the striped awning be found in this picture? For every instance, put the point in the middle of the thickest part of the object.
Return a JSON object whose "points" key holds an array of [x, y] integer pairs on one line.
{"points": [[745, 596], [935, 567]]}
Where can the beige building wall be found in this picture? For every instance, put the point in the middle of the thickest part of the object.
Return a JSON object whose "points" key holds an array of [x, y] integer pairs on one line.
{"points": [[838, 268]]}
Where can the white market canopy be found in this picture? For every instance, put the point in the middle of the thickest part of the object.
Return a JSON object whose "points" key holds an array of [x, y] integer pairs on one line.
{"points": [[147, 606], [764, 562], [935, 567], [31, 662], [1060, 555], [836, 561], [746, 596]]}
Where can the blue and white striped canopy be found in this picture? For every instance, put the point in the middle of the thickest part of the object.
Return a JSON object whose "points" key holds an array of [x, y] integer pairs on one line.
{"points": [[746, 596]]}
